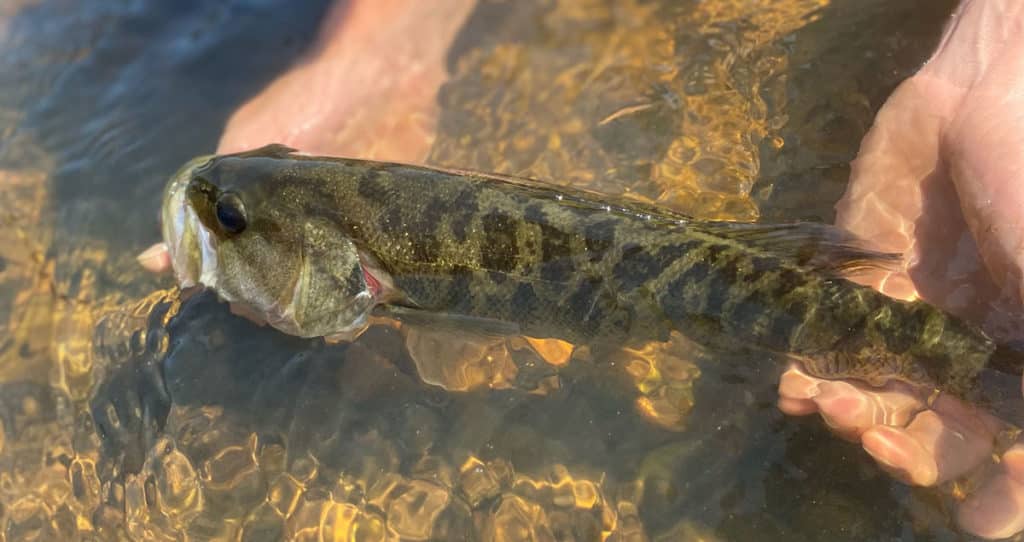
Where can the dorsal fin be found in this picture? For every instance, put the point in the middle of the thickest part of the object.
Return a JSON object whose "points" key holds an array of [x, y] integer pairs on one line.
{"points": [[273, 150], [811, 245]]}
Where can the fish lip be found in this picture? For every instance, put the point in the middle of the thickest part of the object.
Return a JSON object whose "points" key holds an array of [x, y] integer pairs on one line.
{"points": [[190, 246]]}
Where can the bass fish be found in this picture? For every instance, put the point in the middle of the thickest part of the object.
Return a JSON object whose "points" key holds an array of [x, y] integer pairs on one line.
{"points": [[315, 245]]}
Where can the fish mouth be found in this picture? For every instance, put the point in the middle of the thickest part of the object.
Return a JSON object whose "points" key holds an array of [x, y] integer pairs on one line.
{"points": [[192, 248]]}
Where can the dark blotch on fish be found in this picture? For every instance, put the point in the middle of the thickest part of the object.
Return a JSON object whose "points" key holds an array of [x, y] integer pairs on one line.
{"points": [[534, 214], [554, 244], [392, 221], [584, 303], [599, 237], [636, 266], [374, 186], [460, 289], [463, 208], [558, 270], [498, 250], [525, 299]]}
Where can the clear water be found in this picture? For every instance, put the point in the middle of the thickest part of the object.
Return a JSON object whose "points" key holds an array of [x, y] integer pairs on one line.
{"points": [[117, 422]]}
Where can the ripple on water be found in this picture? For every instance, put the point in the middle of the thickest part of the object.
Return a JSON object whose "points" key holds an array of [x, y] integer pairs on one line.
{"points": [[129, 414]]}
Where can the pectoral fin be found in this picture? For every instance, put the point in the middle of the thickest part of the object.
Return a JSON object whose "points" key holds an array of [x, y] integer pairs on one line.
{"points": [[481, 327]]}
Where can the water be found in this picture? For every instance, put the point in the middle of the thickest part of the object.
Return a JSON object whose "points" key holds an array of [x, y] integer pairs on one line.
{"points": [[168, 419]]}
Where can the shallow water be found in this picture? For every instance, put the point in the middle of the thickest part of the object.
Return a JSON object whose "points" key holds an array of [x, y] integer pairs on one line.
{"points": [[161, 419]]}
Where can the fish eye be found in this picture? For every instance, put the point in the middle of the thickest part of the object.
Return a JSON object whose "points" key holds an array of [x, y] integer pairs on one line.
{"points": [[231, 213]]}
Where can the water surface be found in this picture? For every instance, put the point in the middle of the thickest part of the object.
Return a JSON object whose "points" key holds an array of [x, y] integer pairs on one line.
{"points": [[169, 420]]}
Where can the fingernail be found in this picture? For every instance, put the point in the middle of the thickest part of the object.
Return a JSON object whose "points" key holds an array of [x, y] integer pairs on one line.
{"points": [[151, 253], [155, 259]]}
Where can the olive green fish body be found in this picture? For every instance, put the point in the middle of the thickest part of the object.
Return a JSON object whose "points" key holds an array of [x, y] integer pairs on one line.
{"points": [[558, 262]]}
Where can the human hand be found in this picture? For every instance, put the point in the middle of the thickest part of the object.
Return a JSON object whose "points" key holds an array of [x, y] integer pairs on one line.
{"points": [[339, 101], [937, 179], [936, 167]]}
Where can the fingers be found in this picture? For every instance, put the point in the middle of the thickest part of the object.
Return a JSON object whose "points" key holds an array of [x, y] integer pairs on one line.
{"points": [[935, 447], [996, 509], [796, 393], [155, 259], [847, 408], [850, 409], [392, 117], [918, 444], [899, 453]]}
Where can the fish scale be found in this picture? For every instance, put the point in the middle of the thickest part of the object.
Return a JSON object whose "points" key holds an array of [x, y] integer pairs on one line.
{"points": [[553, 261]]}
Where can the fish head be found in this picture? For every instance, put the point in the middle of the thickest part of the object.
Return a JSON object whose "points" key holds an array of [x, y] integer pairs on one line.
{"points": [[242, 226]]}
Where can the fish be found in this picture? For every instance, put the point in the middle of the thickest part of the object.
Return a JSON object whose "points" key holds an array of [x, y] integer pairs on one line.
{"points": [[316, 246]]}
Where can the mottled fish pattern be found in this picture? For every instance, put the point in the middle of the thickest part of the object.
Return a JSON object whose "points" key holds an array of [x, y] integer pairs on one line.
{"points": [[589, 269]]}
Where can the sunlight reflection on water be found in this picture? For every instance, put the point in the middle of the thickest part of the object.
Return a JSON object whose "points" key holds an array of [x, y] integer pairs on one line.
{"points": [[119, 420]]}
